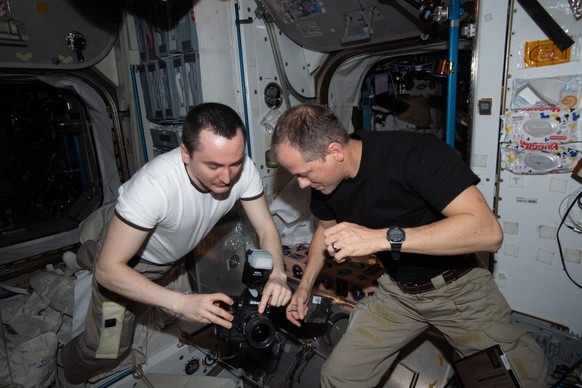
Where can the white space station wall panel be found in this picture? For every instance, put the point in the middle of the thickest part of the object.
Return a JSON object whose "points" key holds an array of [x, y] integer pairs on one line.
{"points": [[528, 268]]}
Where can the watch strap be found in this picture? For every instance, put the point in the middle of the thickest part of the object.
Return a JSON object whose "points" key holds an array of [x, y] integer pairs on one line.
{"points": [[395, 240]]}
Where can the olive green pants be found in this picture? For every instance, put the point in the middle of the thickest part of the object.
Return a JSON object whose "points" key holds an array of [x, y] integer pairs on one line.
{"points": [[110, 324], [470, 312]]}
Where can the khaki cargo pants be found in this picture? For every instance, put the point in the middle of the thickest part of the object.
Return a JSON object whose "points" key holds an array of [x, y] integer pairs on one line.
{"points": [[110, 323], [470, 312]]}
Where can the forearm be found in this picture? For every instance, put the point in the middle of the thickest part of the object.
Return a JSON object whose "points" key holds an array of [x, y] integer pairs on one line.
{"points": [[276, 292], [456, 235], [260, 217], [469, 226], [270, 241], [127, 282], [315, 260]]}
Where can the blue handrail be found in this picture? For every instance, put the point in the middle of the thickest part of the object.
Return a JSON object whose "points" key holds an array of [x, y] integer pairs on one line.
{"points": [[132, 72], [454, 14], [242, 76]]}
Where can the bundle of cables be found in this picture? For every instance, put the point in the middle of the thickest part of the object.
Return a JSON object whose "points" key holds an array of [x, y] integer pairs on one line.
{"points": [[572, 219]]}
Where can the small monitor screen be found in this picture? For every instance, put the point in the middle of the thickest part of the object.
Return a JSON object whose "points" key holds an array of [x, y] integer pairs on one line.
{"points": [[489, 368]]}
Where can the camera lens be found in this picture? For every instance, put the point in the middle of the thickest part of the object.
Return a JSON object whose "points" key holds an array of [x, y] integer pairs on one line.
{"points": [[259, 332]]}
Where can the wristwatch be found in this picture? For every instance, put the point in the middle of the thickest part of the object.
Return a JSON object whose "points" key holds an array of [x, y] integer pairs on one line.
{"points": [[395, 236]]}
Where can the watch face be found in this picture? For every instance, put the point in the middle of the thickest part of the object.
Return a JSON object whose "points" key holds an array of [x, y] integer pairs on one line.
{"points": [[396, 234]]}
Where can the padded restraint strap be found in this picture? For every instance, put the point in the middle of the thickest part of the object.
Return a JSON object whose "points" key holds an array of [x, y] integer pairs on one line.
{"points": [[547, 24]]}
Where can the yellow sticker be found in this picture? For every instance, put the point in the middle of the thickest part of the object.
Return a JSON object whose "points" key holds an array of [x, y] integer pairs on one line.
{"points": [[544, 53], [42, 7], [65, 59], [24, 57]]}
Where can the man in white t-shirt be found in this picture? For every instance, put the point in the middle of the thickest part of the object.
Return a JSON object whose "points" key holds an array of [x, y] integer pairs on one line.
{"points": [[161, 214]]}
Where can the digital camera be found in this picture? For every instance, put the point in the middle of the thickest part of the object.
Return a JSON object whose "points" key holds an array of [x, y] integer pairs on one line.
{"points": [[249, 328]]}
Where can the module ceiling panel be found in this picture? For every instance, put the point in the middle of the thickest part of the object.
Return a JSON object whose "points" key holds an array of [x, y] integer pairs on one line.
{"points": [[331, 25], [56, 34]]}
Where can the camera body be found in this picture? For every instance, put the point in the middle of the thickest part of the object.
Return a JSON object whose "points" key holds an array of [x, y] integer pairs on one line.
{"points": [[249, 328]]}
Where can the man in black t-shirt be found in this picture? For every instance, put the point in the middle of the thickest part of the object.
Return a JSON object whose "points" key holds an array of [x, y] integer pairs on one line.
{"points": [[410, 200]]}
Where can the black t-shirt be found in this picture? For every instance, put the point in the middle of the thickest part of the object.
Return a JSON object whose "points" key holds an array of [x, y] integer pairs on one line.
{"points": [[405, 179]]}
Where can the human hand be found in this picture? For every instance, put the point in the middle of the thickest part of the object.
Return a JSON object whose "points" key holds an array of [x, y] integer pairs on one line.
{"points": [[346, 239], [205, 308], [275, 293], [297, 309]]}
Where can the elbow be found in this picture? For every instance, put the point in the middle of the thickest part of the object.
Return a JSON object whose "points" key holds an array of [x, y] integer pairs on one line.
{"points": [[100, 275], [495, 237], [497, 243]]}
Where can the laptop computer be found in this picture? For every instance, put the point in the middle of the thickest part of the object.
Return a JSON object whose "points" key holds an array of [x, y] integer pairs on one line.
{"points": [[488, 368]]}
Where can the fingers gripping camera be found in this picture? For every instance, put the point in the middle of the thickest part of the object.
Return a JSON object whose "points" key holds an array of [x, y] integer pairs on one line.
{"points": [[249, 329]]}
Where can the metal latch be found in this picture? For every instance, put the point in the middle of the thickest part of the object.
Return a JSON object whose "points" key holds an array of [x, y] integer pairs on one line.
{"points": [[77, 42]]}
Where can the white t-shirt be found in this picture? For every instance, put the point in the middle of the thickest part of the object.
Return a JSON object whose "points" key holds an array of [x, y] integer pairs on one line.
{"points": [[162, 198]]}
